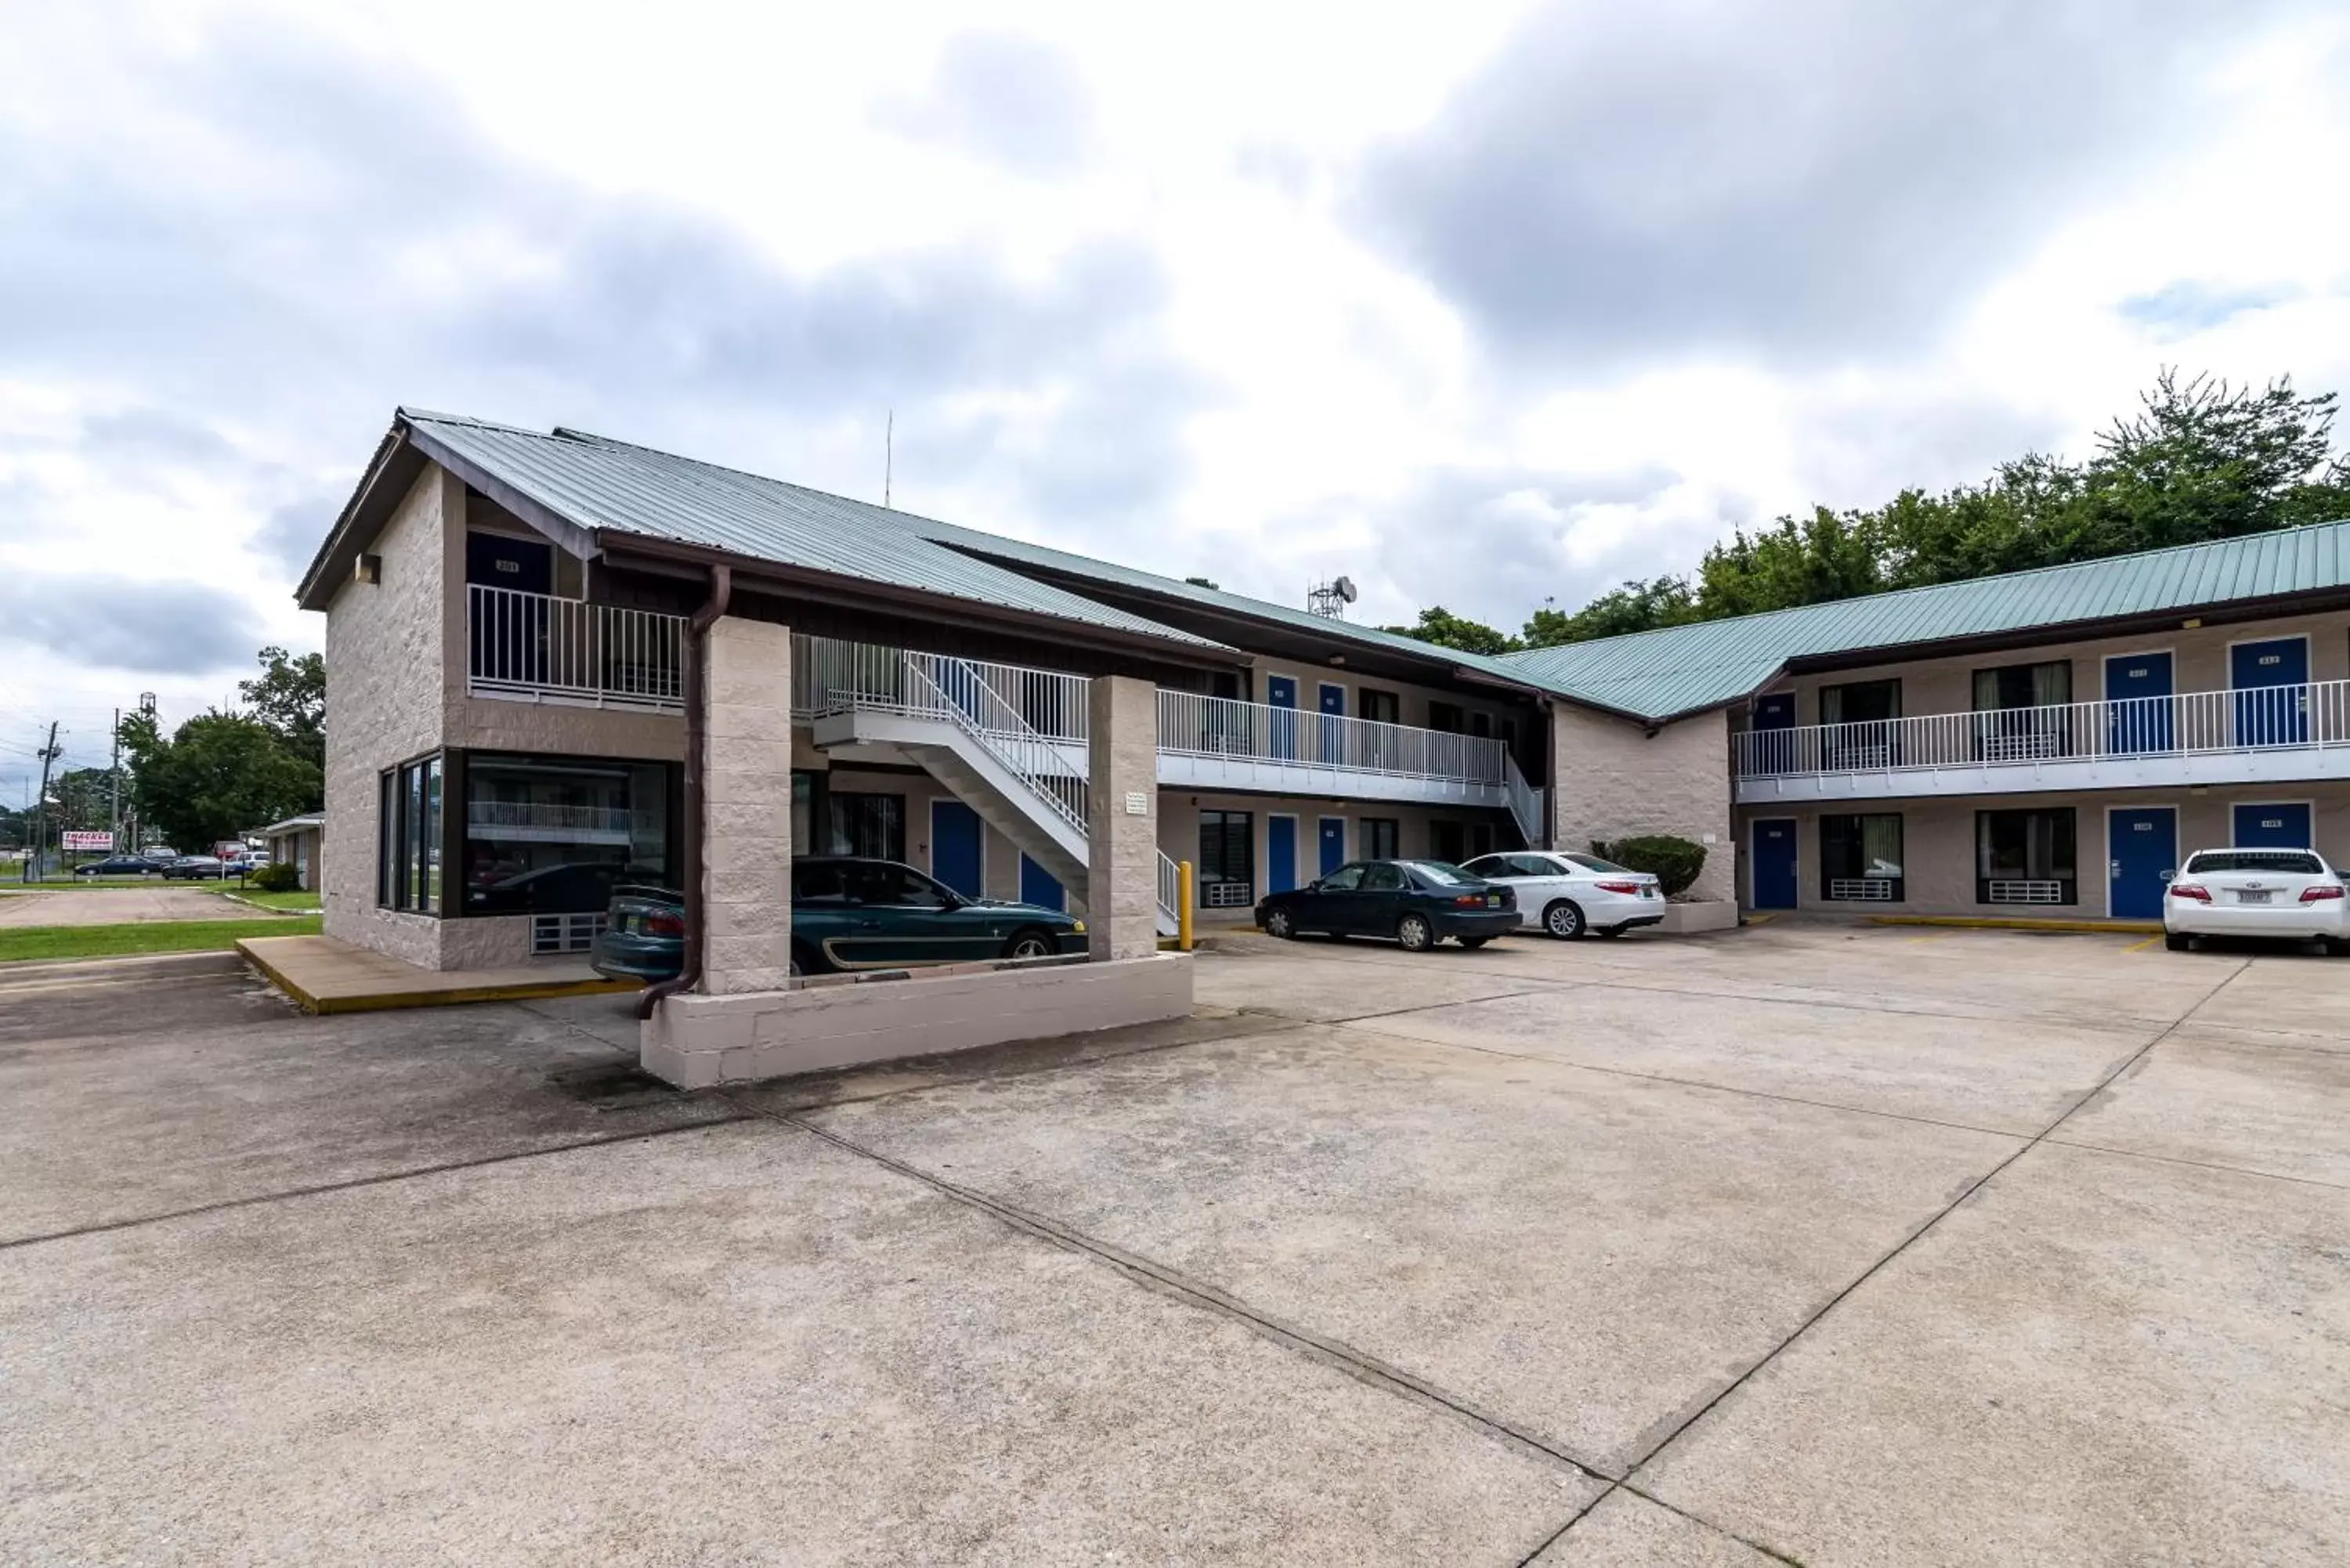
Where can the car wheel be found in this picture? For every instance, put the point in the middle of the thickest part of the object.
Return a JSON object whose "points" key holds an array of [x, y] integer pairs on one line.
{"points": [[1564, 919], [1029, 945], [1415, 934], [2174, 942], [1278, 923], [1474, 943]]}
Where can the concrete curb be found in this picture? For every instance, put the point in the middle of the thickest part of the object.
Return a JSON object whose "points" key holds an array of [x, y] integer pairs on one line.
{"points": [[2017, 923]]}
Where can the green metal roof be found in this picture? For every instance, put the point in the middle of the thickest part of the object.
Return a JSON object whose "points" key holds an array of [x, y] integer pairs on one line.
{"points": [[594, 482], [1685, 668]]}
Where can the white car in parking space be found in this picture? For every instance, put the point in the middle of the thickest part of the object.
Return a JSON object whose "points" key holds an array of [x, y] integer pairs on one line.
{"points": [[1570, 896], [2292, 894]]}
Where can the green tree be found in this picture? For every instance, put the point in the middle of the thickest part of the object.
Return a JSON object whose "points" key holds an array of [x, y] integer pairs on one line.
{"points": [[220, 775], [2200, 460], [1442, 628], [1634, 606], [290, 695], [85, 798]]}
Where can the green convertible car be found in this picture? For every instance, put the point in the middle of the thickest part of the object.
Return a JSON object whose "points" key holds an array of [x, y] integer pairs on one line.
{"points": [[846, 914]]}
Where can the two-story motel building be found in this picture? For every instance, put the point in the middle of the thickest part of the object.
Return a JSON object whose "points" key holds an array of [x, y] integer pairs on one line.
{"points": [[508, 613]]}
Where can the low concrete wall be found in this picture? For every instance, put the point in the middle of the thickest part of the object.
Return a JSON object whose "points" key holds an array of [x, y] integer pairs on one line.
{"points": [[697, 1041], [1709, 915]]}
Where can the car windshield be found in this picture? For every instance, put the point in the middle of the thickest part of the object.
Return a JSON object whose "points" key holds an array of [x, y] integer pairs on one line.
{"points": [[1593, 863], [2284, 862], [1443, 873]]}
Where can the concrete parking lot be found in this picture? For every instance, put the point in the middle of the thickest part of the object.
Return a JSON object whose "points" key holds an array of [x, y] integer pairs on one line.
{"points": [[1808, 1243]]}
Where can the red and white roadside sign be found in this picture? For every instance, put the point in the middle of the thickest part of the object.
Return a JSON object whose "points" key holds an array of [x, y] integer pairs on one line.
{"points": [[80, 843]]}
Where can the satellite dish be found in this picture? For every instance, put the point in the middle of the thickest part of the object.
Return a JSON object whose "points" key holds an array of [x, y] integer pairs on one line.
{"points": [[1346, 586]]}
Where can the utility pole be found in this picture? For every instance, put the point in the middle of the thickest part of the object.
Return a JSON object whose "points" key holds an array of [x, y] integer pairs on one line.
{"points": [[114, 777], [49, 753]]}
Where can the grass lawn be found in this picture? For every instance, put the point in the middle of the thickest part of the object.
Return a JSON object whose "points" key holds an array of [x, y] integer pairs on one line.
{"points": [[20, 943]]}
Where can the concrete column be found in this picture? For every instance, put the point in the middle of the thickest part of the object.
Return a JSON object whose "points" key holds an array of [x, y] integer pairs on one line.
{"points": [[746, 812], [1122, 827]]}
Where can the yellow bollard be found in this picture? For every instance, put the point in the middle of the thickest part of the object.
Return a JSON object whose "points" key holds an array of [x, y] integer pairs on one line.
{"points": [[1183, 906]]}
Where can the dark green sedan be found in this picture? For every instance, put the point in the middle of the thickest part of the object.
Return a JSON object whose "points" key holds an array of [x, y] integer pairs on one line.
{"points": [[846, 914]]}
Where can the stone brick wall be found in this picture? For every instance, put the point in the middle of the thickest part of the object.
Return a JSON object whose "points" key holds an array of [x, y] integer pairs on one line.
{"points": [[387, 699], [1616, 780], [746, 877], [1122, 869]]}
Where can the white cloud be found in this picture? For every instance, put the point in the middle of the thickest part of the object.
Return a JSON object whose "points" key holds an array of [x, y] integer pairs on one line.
{"points": [[1117, 276]]}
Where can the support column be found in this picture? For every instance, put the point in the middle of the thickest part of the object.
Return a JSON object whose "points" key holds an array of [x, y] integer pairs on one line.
{"points": [[746, 784], [1122, 819]]}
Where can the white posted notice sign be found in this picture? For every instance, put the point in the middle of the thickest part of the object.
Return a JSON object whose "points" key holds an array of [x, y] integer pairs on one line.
{"points": [[80, 843]]}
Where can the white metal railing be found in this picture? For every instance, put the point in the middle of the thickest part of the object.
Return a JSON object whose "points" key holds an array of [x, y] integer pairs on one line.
{"points": [[539, 647], [548, 815], [1193, 725], [831, 677], [2018, 890], [1170, 887], [1525, 801], [2248, 718], [954, 689]]}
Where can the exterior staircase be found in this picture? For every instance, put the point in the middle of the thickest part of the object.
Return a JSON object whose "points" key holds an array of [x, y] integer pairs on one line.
{"points": [[963, 723]]}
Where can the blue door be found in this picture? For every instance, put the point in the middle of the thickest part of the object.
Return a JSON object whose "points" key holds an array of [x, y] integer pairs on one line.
{"points": [[1038, 886], [1334, 845], [2270, 681], [1281, 692], [956, 857], [1280, 853], [1333, 700], [1774, 752], [1774, 863], [2141, 718], [2273, 827], [2144, 851]]}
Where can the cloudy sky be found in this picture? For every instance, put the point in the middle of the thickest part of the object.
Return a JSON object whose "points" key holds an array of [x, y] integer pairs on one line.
{"points": [[1485, 304]]}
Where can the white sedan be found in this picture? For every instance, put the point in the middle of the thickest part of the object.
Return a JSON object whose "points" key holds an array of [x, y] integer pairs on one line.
{"points": [[1571, 895], [2289, 894]]}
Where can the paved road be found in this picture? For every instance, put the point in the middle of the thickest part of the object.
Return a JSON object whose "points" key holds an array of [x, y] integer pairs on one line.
{"points": [[1860, 1247], [111, 906]]}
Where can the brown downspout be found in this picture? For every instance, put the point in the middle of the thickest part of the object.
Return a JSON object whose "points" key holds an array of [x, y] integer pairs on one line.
{"points": [[696, 658]]}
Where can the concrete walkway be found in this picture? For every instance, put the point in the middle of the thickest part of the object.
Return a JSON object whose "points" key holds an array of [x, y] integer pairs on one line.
{"points": [[120, 906], [324, 975], [1832, 1245]]}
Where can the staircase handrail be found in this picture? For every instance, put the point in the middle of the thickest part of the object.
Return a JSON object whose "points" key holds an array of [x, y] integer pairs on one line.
{"points": [[1526, 802], [1017, 745]]}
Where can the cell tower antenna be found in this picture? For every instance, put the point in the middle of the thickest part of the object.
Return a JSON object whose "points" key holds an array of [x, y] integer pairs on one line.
{"points": [[1330, 600]]}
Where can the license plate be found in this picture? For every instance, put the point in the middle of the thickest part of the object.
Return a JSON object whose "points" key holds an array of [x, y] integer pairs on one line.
{"points": [[2252, 898], [1648, 892], [1492, 901]]}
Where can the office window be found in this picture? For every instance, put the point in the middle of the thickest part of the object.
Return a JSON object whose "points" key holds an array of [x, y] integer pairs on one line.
{"points": [[553, 836], [1860, 703], [1381, 841], [2021, 710], [408, 837], [1380, 707], [1448, 841], [2025, 857], [873, 826], [1227, 859], [1860, 857], [1446, 717], [1864, 710]]}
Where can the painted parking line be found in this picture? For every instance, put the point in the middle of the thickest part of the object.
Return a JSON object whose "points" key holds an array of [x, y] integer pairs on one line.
{"points": [[2141, 947]]}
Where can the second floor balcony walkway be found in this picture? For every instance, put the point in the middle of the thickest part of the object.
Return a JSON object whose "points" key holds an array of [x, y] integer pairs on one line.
{"points": [[2249, 734]]}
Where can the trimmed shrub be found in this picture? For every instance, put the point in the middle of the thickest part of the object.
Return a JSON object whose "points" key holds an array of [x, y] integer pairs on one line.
{"points": [[277, 876], [1673, 862]]}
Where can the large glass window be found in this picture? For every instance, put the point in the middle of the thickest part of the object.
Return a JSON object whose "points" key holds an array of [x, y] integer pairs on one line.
{"points": [[1860, 857], [408, 837], [2025, 857], [1382, 839], [1865, 734], [2020, 712], [549, 835], [873, 826], [1227, 859]]}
